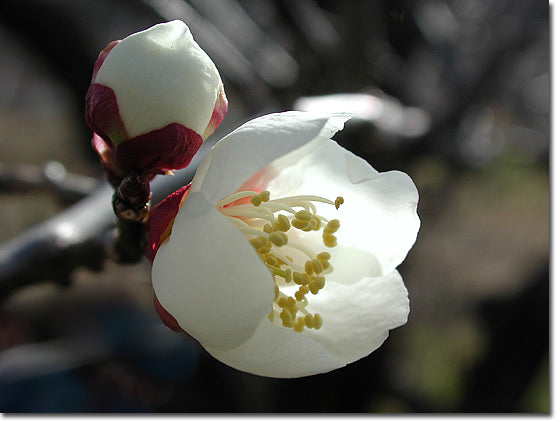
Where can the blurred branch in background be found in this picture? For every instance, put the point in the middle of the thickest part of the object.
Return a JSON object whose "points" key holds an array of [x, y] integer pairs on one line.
{"points": [[456, 93], [81, 236], [69, 187]]}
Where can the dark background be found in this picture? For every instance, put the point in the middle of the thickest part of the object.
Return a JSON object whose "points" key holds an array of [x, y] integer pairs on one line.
{"points": [[477, 72]]}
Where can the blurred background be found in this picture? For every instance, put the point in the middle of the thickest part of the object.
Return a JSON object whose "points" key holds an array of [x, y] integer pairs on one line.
{"points": [[454, 92]]}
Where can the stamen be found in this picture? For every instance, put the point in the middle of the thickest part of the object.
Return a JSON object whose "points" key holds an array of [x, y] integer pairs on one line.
{"points": [[329, 240], [268, 224], [248, 211], [245, 228], [298, 326], [317, 267], [309, 321], [235, 197], [332, 226], [302, 225], [295, 200], [256, 200], [265, 196], [278, 238], [267, 228], [317, 321], [303, 215], [338, 201], [308, 268], [282, 223]]}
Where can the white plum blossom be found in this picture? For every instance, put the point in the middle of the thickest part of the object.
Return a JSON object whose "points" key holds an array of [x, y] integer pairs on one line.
{"points": [[281, 260]]}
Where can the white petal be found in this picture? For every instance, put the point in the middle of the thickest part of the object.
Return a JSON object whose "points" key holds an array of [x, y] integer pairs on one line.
{"points": [[356, 321], [251, 147], [352, 264], [279, 352], [161, 76], [209, 277], [379, 210], [357, 317]]}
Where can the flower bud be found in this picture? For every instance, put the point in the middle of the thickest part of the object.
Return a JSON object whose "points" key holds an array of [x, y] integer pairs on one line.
{"points": [[153, 99]]}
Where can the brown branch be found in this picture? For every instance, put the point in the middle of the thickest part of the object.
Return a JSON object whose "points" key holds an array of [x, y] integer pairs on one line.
{"points": [[82, 236], [52, 176]]}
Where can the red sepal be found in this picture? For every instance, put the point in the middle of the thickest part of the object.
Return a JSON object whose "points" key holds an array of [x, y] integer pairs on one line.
{"points": [[161, 150], [161, 220], [165, 316], [218, 114], [102, 114], [101, 58], [169, 148]]}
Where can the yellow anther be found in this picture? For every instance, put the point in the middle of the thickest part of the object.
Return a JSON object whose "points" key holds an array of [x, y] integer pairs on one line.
{"points": [[299, 325], [268, 227], [332, 226], [316, 284], [271, 260], [285, 315], [288, 322], [300, 294], [265, 196], [294, 312], [288, 275], [278, 238], [300, 278], [308, 267], [338, 201], [313, 288], [265, 249], [323, 258], [303, 215], [282, 223], [291, 303], [317, 321], [309, 321], [258, 242], [282, 302], [301, 224], [329, 240], [256, 200], [287, 318], [317, 223], [317, 266], [319, 282], [297, 277]]}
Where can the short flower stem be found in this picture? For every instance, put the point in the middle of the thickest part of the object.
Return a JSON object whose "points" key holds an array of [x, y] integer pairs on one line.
{"points": [[132, 196], [130, 243], [131, 206]]}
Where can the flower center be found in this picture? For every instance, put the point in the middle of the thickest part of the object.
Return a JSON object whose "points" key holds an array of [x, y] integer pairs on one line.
{"points": [[276, 228]]}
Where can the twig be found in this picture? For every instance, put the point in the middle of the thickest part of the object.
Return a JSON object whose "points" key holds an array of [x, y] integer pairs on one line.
{"points": [[69, 187], [82, 236]]}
